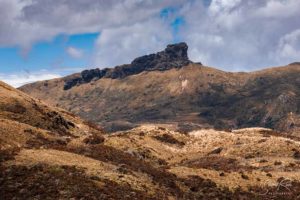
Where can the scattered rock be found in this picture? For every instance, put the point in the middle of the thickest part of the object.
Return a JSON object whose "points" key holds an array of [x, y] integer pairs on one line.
{"points": [[222, 174], [263, 161], [94, 139], [123, 169], [161, 128], [269, 174], [249, 156], [277, 163], [296, 154], [142, 133], [244, 176], [262, 140], [291, 165], [216, 151], [95, 178]]}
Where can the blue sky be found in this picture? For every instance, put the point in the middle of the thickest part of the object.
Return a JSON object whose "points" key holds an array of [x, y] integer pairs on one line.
{"points": [[45, 39], [53, 54], [46, 59], [50, 55]]}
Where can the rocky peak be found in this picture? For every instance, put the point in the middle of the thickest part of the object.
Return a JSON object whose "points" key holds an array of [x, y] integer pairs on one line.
{"points": [[174, 56], [177, 50], [295, 63]]}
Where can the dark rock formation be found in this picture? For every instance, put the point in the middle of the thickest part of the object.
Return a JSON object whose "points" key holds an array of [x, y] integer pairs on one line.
{"points": [[295, 63], [69, 83], [174, 56]]}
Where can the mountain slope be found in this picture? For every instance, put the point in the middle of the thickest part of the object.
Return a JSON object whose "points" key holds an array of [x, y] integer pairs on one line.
{"points": [[25, 121], [191, 95]]}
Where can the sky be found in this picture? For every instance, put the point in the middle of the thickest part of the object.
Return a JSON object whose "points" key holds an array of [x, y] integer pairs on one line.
{"points": [[45, 39]]}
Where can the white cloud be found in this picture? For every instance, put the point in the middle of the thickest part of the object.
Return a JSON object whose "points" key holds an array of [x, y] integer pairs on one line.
{"points": [[229, 34], [75, 52], [24, 22], [241, 35], [289, 46], [279, 9], [17, 80], [121, 45], [218, 6]]}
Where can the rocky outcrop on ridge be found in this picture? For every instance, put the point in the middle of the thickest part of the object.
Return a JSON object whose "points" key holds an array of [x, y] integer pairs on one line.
{"points": [[174, 56]]}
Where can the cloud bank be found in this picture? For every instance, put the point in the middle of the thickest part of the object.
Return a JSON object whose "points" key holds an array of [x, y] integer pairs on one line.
{"points": [[19, 79], [232, 35]]}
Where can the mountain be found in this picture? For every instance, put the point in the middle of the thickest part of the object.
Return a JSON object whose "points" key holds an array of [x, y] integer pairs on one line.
{"points": [[49, 153], [168, 88], [174, 56]]}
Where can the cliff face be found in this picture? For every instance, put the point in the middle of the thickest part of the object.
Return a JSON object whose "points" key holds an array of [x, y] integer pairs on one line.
{"points": [[174, 56]]}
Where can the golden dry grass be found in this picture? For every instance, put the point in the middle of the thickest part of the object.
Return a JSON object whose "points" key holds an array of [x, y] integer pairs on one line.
{"points": [[23, 118], [92, 167], [255, 153]]}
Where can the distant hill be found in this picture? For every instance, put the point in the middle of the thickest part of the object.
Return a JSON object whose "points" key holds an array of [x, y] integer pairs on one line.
{"points": [[169, 88], [26, 121]]}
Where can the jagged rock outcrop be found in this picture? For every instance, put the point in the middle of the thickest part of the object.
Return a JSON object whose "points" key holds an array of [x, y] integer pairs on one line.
{"points": [[174, 56]]}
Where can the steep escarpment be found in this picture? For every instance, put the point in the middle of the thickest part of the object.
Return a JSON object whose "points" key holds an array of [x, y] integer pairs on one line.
{"points": [[174, 56]]}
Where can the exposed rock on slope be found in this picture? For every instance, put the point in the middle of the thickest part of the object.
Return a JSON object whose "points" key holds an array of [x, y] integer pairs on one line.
{"points": [[174, 56]]}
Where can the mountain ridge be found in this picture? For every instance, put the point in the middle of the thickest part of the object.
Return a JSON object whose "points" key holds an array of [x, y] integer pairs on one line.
{"points": [[188, 96], [174, 56]]}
